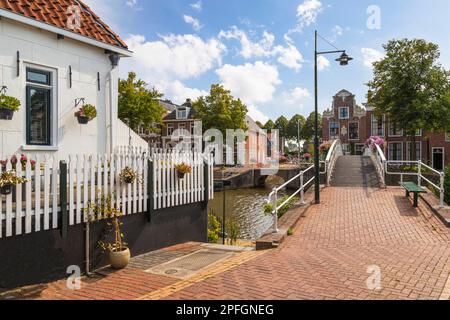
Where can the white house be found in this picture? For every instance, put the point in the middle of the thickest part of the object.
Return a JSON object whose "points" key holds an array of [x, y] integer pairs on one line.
{"points": [[53, 54]]}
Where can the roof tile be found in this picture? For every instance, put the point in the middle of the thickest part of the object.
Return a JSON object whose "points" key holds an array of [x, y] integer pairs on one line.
{"points": [[55, 12]]}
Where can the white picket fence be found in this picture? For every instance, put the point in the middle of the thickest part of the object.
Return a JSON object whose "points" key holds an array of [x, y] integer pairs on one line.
{"points": [[35, 205]]}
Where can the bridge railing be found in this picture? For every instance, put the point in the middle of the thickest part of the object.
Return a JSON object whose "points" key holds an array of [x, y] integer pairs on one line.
{"points": [[421, 167], [273, 196], [333, 154], [379, 160]]}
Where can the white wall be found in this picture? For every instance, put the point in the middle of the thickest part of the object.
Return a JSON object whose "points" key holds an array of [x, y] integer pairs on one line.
{"points": [[43, 48]]}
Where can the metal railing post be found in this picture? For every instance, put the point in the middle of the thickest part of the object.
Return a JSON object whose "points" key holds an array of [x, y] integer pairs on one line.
{"points": [[419, 178], [302, 192], [442, 191], [275, 206]]}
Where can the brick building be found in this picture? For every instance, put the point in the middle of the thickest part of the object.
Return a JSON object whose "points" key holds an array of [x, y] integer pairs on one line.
{"points": [[354, 124]]}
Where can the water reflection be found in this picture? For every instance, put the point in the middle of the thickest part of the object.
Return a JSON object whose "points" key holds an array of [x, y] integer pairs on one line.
{"points": [[246, 207]]}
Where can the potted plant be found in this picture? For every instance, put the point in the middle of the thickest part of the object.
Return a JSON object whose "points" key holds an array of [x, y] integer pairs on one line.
{"points": [[8, 180], [128, 175], [118, 253], [86, 113], [8, 105], [182, 169]]}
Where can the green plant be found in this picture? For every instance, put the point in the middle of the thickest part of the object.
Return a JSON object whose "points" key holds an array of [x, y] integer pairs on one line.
{"points": [[183, 168], [88, 110], [7, 102], [232, 230], [128, 175], [290, 232], [214, 228], [268, 208], [9, 178], [447, 184]]}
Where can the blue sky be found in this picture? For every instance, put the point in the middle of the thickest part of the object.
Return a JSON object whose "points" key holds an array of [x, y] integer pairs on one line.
{"points": [[262, 50]]}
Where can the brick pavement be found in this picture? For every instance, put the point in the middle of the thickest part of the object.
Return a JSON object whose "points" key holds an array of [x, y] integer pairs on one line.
{"points": [[328, 257]]}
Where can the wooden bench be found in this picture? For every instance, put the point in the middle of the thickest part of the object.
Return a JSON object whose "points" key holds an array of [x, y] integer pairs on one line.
{"points": [[411, 187]]}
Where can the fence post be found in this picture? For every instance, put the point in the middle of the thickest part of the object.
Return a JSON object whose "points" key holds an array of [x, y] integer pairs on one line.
{"points": [[150, 178], [302, 192], [206, 181], [63, 199], [419, 178], [275, 206], [442, 191]]}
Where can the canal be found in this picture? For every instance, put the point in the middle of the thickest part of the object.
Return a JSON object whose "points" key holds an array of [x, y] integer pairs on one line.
{"points": [[246, 208]]}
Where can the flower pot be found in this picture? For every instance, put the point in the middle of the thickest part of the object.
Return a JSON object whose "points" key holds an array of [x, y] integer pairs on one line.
{"points": [[119, 259], [7, 189], [180, 175], [83, 120], [6, 114]]}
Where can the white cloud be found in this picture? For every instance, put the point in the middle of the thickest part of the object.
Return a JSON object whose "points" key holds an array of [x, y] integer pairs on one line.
{"points": [[195, 23], [370, 56], [322, 63], [175, 56], [178, 92], [198, 6], [131, 3], [257, 114], [296, 96], [288, 55], [306, 14], [337, 31], [253, 83]]}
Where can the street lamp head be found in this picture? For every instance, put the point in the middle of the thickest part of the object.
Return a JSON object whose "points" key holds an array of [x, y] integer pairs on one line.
{"points": [[344, 59]]}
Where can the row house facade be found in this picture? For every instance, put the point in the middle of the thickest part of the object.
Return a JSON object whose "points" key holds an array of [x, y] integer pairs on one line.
{"points": [[354, 125]]}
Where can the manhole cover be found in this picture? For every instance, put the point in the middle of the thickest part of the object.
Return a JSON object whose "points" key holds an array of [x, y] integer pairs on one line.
{"points": [[190, 264]]}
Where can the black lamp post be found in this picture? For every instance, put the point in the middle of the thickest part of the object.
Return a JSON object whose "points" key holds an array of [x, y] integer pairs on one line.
{"points": [[343, 60]]}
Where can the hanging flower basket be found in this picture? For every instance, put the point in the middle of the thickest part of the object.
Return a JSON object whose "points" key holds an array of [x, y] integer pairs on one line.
{"points": [[86, 113], [8, 105], [6, 189], [182, 169], [128, 175]]}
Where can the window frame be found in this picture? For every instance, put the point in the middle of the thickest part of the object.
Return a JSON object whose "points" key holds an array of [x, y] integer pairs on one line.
{"points": [[348, 113], [394, 135], [170, 126], [390, 153], [349, 125], [443, 157], [52, 86], [383, 125], [408, 149], [338, 128], [447, 136], [179, 110]]}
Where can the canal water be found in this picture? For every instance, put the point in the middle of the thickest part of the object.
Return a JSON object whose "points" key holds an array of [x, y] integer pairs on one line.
{"points": [[246, 207]]}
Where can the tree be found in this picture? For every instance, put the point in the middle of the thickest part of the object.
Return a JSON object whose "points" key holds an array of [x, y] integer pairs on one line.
{"points": [[139, 105], [293, 125], [411, 88], [308, 129], [220, 110], [260, 124], [282, 125], [269, 125]]}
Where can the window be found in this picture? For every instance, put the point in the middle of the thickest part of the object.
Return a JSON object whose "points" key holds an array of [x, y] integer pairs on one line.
{"points": [[438, 159], [447, 136], [344, 113], [409, 151], [334, 130], [378, 125], [396, 151], [182, 127], [353, 132], [181, 113], [394, 131], [419, 133], [170, 129], [39, 94]]}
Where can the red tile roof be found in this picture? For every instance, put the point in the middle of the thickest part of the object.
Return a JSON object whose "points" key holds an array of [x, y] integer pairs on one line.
{"points": [[56, 13]]}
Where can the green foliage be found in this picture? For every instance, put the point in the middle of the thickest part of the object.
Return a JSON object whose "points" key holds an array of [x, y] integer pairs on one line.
{"points": [[8, 178], [139, 105], [214, 228], [447, 184], [292, 130], [87, 110], [268, 208], [232, 230], [220, 110], [269, 125], [290, 232], [7, 102], [282, 125], [411, 87], [260, 124], [308, 129]]}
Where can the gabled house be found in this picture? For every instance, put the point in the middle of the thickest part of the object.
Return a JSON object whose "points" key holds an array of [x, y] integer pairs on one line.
{"points": [[54, 57]]}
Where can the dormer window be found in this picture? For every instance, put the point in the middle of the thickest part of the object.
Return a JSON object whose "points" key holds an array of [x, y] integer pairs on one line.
{"points": [[181, 113]]}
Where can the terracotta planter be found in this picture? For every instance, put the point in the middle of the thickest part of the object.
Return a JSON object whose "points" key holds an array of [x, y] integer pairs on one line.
{"points": [[83, 120], [121, 259], [6, 190], [6, 114]]}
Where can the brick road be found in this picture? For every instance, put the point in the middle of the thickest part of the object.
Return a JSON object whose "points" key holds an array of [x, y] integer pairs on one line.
{"points": [[327, 258], [333, 246]]}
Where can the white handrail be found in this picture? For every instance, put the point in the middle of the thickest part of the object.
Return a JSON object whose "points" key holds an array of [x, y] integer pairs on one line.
{"points": [[379, 159], [420, 176], [273, 196], [333, 154]]}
